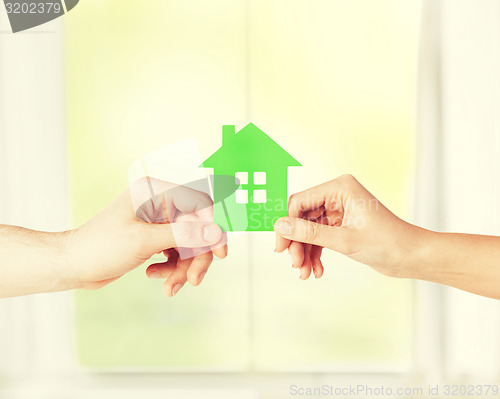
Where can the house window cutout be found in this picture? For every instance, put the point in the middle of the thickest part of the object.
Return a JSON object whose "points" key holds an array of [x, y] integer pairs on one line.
{"points": [[259, 196], [242, 196], [241, 178], [259, 178], [266, 164]]}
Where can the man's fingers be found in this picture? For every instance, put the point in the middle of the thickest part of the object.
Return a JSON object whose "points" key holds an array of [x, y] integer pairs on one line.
{"points": [[158, 237], [167, 199], [199, 267], [301, 230], [220, 251], [168, 252], [178, 278], [161, 270], [195, 235], [165, 269]]}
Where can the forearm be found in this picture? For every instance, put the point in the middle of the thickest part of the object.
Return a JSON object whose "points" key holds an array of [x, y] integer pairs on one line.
{"points": [[465, 261], [32, 262]]}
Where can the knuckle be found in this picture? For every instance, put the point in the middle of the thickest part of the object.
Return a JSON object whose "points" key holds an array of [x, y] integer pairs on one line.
{"points": [[347, 178], [205, 200], [295, 202], [347, 181]]}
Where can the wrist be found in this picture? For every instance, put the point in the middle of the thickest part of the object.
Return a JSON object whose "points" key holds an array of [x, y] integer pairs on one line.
{"points": [[60, 259], [60, 272], [70, 255], [42, 266], [422, 251]]}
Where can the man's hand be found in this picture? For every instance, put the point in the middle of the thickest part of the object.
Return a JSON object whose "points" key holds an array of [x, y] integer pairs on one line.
{"points": [[180, 221], [113, 243]]}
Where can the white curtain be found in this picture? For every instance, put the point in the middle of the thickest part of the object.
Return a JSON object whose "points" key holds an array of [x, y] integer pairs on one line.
{"points": [[458, 184], [33, 188]]}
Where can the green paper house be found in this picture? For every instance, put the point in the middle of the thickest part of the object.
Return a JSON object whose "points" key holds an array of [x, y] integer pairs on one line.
{"points": [[260, 185]]}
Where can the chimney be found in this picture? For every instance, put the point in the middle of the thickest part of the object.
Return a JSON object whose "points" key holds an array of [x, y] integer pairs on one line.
{"points": [[228, 131]]}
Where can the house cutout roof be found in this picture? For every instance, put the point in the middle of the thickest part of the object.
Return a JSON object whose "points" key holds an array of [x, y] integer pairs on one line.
{"points": [[249, 149]]}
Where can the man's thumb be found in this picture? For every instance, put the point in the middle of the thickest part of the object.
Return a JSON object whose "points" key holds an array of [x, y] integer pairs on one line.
{"points": [[183, 234], [308, 232]]}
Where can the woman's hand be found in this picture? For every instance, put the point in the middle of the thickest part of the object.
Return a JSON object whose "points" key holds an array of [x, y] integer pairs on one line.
{"points": [[343, 216]]}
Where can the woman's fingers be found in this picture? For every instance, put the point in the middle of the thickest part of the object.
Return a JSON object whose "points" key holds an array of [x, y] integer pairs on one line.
{"points": [[305, 269], [317, 265], [314, 214], [296, 251], [198, 268], [307, 258], [281, 243]]}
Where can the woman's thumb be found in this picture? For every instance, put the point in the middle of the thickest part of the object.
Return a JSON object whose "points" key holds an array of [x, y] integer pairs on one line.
{"points": [[308, 232]]}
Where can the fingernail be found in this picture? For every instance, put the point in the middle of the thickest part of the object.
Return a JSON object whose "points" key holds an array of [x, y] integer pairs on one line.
{"points": [[283, 228], [154, 274], [176, 288], [201, 277], [211, 233]]}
